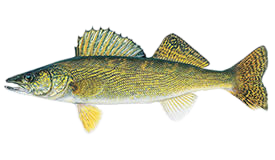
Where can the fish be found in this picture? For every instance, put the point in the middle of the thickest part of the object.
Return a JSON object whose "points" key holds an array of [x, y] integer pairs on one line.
{"points": [[111, 69]]}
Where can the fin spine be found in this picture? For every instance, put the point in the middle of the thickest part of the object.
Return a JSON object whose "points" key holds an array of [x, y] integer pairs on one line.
{"points": [[102, 38], [109, 37], [94, 42], [87, 42], [107, 43]]}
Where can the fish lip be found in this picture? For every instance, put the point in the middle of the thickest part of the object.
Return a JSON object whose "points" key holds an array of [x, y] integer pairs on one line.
{"points": [[16, 89]]}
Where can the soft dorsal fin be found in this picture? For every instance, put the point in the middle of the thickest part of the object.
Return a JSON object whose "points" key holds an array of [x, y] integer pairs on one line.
{"points": [[106, 43], [173, 48]]}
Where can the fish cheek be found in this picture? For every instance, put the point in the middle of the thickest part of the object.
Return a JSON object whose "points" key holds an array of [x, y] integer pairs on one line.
{"points": [[42, 84], [86, 88]]}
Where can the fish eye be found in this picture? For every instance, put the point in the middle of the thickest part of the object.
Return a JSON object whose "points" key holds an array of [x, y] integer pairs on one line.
{"points": [[29, 77]]}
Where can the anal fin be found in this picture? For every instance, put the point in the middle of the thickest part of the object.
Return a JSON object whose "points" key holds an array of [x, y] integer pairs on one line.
{"points": [[89, 116], [176, 108]]}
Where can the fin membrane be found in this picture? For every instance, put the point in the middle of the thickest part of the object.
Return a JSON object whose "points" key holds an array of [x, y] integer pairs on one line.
{"points": [[248, 85], [177, 108], [106, 43], [173, 48], [89, 116]]}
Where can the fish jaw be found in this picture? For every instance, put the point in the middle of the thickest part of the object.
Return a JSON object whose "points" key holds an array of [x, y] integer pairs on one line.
{"points": [[20, 87]]}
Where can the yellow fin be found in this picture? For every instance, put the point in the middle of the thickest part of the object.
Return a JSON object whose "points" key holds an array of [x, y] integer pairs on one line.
{"points": [[176, 108], [173, 48], [248, 85], [89, 116], [106, 43]]}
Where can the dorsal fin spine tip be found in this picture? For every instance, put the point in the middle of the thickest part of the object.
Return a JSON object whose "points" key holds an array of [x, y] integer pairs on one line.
{"points": [[105, 42]]}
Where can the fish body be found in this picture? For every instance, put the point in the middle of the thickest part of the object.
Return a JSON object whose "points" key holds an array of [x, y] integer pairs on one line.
{"points": [[110, 69], [135, 80]]}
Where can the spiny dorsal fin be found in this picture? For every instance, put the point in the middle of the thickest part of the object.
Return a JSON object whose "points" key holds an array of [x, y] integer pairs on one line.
{"points": [[106, 43], [173, 48]]}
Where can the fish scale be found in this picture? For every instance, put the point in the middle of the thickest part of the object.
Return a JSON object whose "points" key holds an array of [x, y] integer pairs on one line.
{"points": [[111, 69], [127, 75]]}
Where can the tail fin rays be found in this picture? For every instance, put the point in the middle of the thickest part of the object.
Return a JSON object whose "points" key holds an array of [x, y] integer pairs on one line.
{"points": [[248, 85]]}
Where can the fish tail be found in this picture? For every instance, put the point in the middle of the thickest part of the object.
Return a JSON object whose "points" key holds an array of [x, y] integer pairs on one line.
{"points": [[248, 85]]}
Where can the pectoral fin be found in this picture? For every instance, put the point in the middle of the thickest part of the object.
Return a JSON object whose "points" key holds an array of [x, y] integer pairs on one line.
{"points": [[177, 108], [89, 116]]}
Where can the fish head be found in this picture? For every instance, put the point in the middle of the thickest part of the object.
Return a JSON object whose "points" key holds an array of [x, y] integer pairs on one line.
{"points": [[37, 82]]}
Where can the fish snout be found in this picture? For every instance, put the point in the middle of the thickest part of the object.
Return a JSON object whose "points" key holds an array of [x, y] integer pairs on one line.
{"points": [[14, 80], [19, 87]]}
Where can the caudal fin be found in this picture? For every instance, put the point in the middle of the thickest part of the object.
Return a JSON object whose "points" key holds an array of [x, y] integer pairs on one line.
{"points": [[248, 86]]}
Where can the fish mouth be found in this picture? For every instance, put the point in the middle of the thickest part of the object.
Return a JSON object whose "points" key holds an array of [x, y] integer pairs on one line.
{"points": [[19, 88]]}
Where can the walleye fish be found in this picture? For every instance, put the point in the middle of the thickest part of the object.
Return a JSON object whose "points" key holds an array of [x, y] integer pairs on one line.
{"points": [[111, 69]]}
